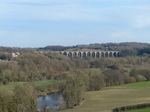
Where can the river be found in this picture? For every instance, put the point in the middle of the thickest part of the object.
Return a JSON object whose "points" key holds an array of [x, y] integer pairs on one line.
{"points": [[52, 102]]}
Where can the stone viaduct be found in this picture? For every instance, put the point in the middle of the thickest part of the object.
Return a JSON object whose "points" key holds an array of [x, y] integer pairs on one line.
{"points": [[94, 54]]}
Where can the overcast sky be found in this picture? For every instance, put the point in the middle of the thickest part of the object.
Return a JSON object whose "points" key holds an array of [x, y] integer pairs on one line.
{"points": [[39, 23]]}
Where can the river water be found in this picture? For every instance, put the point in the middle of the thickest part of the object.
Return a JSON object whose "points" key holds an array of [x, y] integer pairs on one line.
{"points": [[52, 102]]}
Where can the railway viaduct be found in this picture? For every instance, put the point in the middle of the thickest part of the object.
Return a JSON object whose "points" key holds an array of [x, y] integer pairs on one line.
{"points": [[94, 54]]}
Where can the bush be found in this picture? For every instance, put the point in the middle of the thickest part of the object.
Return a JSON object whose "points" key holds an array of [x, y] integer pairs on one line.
{"points": [[140, 78], [132, 80]]}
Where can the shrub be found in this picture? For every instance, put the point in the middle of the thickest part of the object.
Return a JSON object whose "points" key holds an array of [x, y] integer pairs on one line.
{"points": [[140, 78]]}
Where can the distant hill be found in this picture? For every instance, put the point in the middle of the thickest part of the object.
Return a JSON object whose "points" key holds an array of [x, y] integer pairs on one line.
{"points": [[97, 46]]}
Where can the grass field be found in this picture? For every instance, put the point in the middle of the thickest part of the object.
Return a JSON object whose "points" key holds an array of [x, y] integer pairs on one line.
{"points": [[112, 97], [140, 110], [37, 84], [128, 69], [92, 69], [138, 84], [9, 87]]}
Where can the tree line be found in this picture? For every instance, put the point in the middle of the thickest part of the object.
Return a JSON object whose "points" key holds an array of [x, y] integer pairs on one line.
{"points": [[97, 46]]}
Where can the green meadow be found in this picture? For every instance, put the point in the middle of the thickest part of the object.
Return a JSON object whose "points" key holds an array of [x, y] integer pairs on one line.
{"points": [[37, 84], [140, 110], [137, 84]]}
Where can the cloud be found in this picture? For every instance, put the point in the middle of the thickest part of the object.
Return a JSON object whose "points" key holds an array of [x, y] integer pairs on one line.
{"points": [[58, 10], [136, 16], [82, 21], [141, 21], [142, 18], [35, 2], [54, 12], [30, 16]]}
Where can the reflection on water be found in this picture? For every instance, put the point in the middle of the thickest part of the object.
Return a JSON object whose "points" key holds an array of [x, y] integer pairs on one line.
{"points": [[53, 102]]}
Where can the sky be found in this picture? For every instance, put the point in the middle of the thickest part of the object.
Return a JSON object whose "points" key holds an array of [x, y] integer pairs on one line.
{"points": [[40, 23]]}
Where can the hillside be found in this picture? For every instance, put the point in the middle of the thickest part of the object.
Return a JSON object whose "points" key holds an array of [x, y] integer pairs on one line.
{"points": [[97, 46]]}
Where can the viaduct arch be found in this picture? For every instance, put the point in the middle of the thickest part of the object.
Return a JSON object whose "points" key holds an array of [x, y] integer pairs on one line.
{"points": [[94, 54]]}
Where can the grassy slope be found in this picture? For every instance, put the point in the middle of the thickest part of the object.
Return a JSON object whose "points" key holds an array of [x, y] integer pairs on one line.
{"points": [[138, 84], [140, 110], [111, 97]]}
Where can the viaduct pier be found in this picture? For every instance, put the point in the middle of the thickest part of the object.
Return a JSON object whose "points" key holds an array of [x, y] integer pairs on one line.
{"points": [[94, 54]]}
